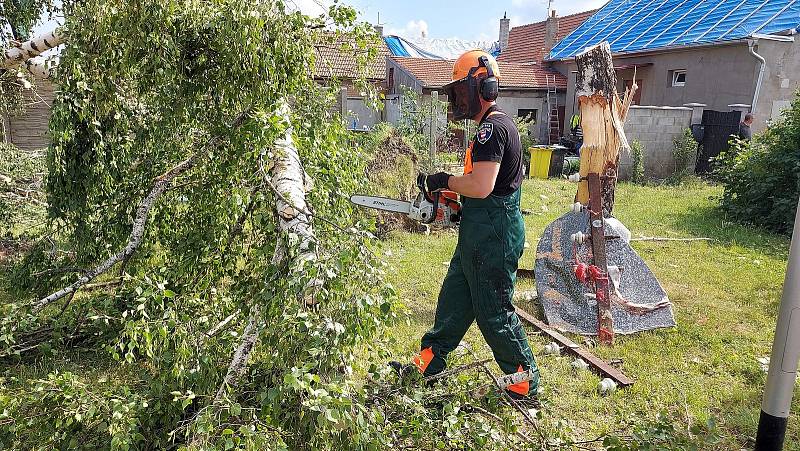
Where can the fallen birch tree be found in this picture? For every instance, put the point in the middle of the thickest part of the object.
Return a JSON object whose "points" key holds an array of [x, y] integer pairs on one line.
{"points": [[23, 53], [192, 237], [245, 301]]}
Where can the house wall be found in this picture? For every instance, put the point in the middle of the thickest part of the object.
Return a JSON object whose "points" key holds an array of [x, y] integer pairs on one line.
{"points": [[357, 112], [513, 101], [716, 76], [400, 77], [781, 79], [29, 130], [656, 128]]}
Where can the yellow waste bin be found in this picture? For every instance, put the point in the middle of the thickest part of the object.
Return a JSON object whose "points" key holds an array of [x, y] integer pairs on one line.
{"points": [[540, 161]]}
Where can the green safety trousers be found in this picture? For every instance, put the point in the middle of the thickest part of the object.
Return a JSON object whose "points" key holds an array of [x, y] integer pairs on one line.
{"points": [[480, 286]]}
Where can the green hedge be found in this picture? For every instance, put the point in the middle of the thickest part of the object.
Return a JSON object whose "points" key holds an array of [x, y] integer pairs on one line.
{"points": [[760, 177]]}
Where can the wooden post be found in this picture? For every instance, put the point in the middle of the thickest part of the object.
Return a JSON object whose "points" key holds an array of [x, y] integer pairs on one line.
{"points": [[434, 123], [343, 105], [605, 322], [602, 115]]}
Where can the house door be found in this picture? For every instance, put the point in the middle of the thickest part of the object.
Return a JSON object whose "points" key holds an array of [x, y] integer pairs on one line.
{"points": [[637, 96], [718, 127]]}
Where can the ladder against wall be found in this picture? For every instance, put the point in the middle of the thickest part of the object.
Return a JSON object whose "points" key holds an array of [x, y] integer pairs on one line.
{"points": [[554, 118]]}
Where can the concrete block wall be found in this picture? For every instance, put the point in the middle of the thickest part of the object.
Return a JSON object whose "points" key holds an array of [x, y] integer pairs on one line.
{"points": [[655, 127]]}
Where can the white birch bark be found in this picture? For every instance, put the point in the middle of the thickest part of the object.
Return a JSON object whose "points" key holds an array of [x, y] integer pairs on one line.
{"points": [[290, 183], [41, 67], [288, 178], [17, 55]]}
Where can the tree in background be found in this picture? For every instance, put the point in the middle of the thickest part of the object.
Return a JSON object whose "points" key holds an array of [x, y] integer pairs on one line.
{"points": [[762, 177]]}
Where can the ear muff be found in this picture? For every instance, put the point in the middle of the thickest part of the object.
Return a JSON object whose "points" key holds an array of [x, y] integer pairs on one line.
{"points": [[490, 87]]}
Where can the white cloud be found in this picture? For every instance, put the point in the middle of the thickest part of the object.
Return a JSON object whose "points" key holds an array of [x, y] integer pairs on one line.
{"points": [[413, 29]]}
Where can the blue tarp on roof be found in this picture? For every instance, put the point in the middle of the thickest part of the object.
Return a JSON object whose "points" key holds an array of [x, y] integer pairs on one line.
{"points": [[399, 46], [635, 25], [436, 48]]}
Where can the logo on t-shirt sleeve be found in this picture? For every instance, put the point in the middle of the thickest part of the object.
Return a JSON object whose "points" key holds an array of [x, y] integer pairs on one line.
{"points": [[485, 132]]}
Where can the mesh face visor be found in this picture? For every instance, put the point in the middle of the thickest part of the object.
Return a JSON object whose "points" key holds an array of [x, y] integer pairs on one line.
{"points": [[463, 97]]}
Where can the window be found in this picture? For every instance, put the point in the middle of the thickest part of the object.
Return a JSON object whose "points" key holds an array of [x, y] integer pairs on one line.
{"points": [[678, 78], [528, 115]]}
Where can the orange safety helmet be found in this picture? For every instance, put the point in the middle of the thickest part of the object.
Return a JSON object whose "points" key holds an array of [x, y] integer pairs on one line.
{"points": [[475, 73], [471, 60]]}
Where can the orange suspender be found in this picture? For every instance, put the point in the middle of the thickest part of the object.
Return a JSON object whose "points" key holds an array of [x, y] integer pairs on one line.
{"points": [[468, 155]]}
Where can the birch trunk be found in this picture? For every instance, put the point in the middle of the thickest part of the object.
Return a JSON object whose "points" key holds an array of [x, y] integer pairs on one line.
{"points": [[602, 114], [290, 183], [18, 55]]}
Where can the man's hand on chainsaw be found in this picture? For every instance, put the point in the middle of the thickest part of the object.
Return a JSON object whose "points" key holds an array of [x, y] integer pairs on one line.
{"points": [[436, 182]]}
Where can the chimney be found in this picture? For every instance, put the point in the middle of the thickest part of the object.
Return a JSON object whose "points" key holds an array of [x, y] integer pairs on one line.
{"points": [[379, 30], [550, 32], [505, 24]]}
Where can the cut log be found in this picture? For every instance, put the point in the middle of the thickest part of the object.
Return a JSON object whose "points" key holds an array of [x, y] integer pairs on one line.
{"points": [[602, 114]]}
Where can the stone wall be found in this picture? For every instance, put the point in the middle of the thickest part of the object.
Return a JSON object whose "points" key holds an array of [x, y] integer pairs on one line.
{"points": [[655, 127]]}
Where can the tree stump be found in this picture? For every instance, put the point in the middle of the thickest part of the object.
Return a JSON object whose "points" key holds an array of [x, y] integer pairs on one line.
{"points": [[602, 115]]}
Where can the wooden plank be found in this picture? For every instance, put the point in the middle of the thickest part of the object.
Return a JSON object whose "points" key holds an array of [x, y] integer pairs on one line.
{"points": [[605, 322], [575, 349]]}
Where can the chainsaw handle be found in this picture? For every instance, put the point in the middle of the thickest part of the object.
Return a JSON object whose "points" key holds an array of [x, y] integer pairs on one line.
{"points": [[430, 197], [435, 211]]}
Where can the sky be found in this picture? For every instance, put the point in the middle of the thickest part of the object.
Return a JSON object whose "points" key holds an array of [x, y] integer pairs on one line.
{"points": [[464, 19]]}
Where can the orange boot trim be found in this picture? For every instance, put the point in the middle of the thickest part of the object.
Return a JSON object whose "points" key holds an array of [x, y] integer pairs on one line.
{"points": [[520, 388], [424, 359]]}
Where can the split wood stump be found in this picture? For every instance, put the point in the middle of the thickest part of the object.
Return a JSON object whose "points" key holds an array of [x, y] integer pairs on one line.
{"points": [[602, 115]]}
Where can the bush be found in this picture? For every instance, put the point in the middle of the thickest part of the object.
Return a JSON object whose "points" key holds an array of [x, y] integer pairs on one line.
{"points": [[684, 150], [637, 168], [760, 177]]}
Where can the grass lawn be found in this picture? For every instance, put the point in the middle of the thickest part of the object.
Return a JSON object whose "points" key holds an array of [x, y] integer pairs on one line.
{"points": [[725, 295]]}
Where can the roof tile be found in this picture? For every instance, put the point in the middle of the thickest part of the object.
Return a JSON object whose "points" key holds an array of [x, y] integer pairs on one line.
{"points": [[335, 57], [526, 42], [435, 74]]}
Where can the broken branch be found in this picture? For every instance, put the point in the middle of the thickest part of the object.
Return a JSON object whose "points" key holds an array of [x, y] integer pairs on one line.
{"points": [[17, 55], [160, 185]]}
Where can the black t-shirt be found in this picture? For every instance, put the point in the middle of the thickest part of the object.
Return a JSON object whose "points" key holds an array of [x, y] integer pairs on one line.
{"points": [[497, 139]]}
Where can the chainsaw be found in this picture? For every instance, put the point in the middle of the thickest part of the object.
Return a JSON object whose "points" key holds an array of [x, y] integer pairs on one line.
{"points": [[440, 208]]}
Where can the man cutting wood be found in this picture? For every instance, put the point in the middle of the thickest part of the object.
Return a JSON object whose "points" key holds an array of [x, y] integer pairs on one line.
{"points": [[479, 286]]}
